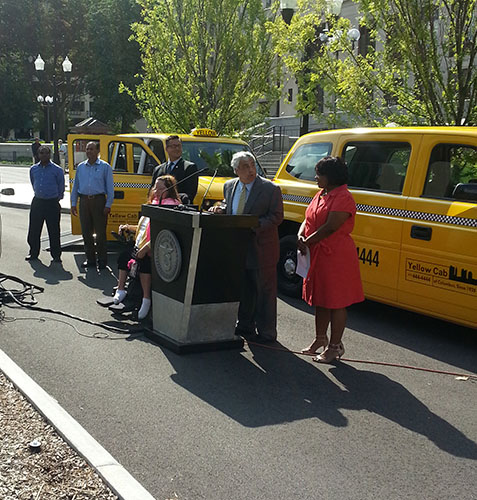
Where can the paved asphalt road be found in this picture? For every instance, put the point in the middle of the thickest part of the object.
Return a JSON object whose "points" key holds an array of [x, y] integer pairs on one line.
{"points": [[256, 423]]}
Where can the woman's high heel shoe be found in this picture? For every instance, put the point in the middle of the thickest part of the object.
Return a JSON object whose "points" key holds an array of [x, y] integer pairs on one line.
{"points": [[332, 352], [315, 345]]}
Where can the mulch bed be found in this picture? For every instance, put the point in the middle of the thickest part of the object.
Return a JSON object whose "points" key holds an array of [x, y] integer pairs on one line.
{"points": [[56, 471]]}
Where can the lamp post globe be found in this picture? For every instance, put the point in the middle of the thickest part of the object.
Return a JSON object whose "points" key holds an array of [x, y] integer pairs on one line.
{"points": [[39, 63], [353, 35], [67, 67], [334, 6], [287, 9]]}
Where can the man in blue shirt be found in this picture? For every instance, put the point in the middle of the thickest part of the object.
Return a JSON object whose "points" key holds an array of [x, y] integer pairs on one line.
{"points": [[48, 181], [94, 187]]}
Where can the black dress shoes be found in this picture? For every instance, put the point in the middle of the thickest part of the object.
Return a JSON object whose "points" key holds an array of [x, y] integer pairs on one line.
{"points": [[31, 258], [246, 334], [88, 263]]}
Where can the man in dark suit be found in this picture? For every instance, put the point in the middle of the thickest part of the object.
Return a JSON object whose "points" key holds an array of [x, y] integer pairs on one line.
{"points": [[179, 168], [252, 194]]}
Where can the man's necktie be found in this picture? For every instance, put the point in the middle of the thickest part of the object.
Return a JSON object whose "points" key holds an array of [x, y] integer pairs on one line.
{"points": [[170, 167], [242, 199]]}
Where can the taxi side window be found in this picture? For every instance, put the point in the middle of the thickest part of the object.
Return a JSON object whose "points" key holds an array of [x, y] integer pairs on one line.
{"points": [[377, 165], [141, 157], [215, 157], [452, 168], [302, 163], [117, 156], [157, 147], [79, 152]]}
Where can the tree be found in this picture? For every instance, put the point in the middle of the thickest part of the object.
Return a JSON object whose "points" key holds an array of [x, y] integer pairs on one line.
{"points": [[205, 63], [422, 70], [102, 58], [112, 59], [16, 93], [51, 28]]}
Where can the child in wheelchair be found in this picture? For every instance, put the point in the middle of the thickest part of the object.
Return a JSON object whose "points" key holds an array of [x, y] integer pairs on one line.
{"points": [[136, 259]]}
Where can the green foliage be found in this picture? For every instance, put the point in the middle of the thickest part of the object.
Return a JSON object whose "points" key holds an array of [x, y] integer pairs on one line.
{"points": [[205, 63], [464, 165], [95, 37], [112, 59], [51, 28], [219, 161], [16, 95], [418, 73]]}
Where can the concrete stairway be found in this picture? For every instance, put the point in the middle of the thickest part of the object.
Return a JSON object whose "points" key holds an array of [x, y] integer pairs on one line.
{"points": [[270, 162]]}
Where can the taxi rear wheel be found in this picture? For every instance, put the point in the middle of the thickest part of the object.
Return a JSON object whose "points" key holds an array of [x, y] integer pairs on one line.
{"points": [[289, 282]]}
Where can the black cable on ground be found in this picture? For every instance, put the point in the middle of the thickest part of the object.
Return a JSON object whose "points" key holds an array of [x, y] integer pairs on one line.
{"points": [[95, 335], [19, 298], [28, 289]]}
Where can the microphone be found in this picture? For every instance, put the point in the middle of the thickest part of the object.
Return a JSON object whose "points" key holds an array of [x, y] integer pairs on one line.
{"points": [[207, 191], [182, 180]]}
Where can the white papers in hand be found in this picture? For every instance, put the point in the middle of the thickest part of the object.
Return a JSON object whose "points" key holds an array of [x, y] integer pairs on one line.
{"points": [[302, 263]]}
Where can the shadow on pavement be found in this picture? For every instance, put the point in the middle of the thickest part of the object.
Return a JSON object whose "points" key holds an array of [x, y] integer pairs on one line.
{"points": [[52, 274], [452, 344], [379, 394], [276, 389], [281, 387], [104, 279], [446, 342]]}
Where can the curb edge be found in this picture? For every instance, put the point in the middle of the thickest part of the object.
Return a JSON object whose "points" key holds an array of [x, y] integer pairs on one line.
{"points": [[119, 480]]}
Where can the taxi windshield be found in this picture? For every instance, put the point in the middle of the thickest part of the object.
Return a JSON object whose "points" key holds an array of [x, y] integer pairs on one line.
{"points": [[214, 156]]}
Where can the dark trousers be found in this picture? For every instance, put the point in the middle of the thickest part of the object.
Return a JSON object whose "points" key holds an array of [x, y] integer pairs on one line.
{"points": [[93, 221], [40, 211], [258, 301]]}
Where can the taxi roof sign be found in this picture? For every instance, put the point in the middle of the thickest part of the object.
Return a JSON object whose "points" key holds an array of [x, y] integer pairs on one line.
{"points": [[203, 132]]}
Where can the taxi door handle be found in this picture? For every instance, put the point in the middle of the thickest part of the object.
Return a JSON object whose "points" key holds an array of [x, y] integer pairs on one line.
{"points": [[421, 233], [119, 195]]}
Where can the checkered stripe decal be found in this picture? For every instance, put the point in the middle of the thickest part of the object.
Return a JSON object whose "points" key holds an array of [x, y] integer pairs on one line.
{"points": [[410, 214], [299, 199], [139, 185], [131, 185], [396, 212]]}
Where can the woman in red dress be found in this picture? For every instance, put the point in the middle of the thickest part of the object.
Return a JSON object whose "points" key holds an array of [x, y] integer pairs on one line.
{"points": [[333, 281]]}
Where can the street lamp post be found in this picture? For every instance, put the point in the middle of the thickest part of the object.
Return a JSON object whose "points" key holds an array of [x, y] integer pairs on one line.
{"points": [[67, 67], [287, 9], [46, 102]]}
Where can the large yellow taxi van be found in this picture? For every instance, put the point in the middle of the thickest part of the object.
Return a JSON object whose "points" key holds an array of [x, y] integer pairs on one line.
{"points": [[133, 158], [416, 224]]}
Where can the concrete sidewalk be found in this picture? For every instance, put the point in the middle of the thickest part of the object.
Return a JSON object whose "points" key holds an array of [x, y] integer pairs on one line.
{"points": [[16, 179]]}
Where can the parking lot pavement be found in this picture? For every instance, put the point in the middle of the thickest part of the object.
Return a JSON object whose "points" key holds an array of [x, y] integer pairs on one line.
{"points": [[253, 423]]}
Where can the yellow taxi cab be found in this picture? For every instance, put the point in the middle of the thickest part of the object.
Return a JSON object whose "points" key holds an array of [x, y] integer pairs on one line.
{"points": [[133, 158], [416, 224]]}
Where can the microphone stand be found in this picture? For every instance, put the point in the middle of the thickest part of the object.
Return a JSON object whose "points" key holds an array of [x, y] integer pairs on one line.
{"points": [[207, 191]]}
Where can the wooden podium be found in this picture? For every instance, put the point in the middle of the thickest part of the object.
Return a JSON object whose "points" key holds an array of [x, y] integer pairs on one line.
{"points": [[197, 267]]}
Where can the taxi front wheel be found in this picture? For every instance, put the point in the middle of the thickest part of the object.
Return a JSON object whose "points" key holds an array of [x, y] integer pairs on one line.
{"points": [[289, 282]]}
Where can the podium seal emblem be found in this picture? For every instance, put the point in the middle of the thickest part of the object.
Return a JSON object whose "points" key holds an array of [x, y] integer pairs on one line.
{"points": [[167, 256]]}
